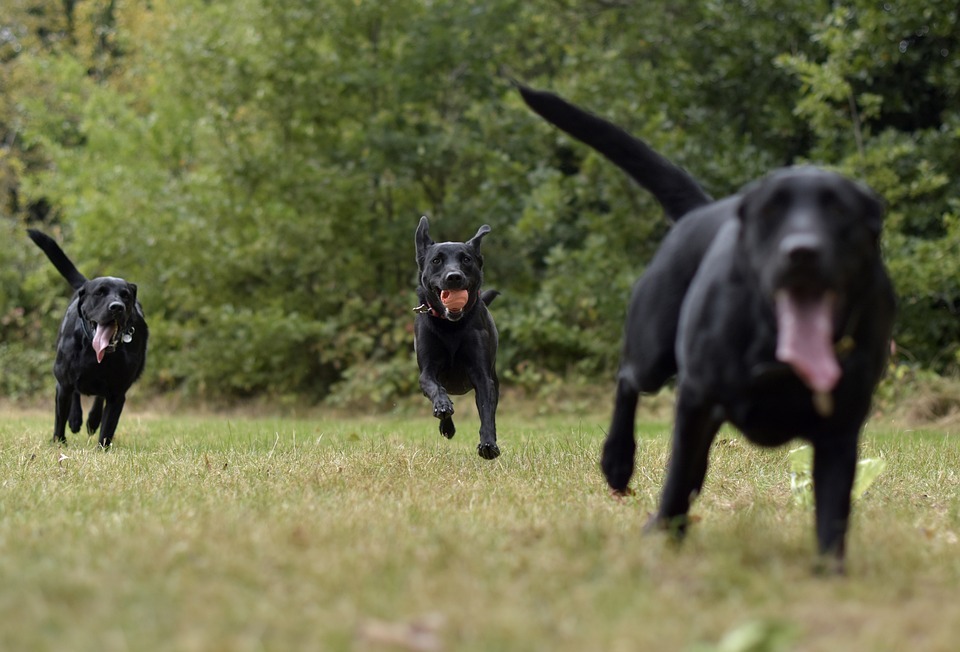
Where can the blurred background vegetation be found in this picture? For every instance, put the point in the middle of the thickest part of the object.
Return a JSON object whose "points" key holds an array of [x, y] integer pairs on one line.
{"points": [[258, 167]]}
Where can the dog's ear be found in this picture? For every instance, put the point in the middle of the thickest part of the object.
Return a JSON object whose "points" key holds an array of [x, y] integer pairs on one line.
{"points": [[81, 293], [423, 239], [873, 208], [475, 240], [750, 195], [132, 287]]}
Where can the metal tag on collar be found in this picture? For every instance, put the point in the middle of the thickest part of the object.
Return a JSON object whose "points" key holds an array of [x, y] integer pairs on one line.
{"points": [[422, 308], [127, 336]]}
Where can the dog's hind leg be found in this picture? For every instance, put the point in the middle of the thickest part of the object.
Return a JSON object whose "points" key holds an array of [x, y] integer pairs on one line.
{"points": [[75, 419], [64, 402], [96, 414], [647, 362], [620, 446], [694, 429], [111, 417], [834, 467]]}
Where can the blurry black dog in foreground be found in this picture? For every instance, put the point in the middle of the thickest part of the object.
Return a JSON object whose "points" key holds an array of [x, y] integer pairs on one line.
{"points": [[772, 307], [101, 347], [454, 334]]}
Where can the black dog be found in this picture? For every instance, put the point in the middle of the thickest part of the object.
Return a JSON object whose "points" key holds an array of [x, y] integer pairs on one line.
{"points": [[101, 347], [773, 308], [454, 334]]}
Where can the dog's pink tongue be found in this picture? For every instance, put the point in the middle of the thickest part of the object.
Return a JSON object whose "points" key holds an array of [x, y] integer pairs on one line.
{"points": [[102, 337], [454, 299], [805, 339]]}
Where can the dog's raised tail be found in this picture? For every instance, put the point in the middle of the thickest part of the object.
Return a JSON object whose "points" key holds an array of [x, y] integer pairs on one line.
{"points": [[487, 296], [673, 187], [59, 259]]}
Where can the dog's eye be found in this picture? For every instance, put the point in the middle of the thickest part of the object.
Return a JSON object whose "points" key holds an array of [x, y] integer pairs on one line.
{"points": [[437, 260], [466, 259], [124, 295]]}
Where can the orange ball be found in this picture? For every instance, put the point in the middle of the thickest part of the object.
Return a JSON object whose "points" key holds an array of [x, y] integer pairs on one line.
{"points": [[454, 299]]}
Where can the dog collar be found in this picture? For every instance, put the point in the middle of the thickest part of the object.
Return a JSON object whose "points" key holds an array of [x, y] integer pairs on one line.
{"points": [[86, 327], [428, 309]]}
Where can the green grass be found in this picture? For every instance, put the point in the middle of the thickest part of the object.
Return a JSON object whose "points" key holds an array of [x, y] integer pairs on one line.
{"points": [[229, 533]]}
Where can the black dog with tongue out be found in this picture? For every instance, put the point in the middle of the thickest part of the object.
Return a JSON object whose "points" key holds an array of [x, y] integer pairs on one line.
{"points": [[454, 335], [101, 347], [773, 309]]}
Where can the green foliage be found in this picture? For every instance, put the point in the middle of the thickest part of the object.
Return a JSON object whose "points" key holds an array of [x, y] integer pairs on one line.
{"points": [[862, 98], [27, 320], [754, 636], [258, 168]]}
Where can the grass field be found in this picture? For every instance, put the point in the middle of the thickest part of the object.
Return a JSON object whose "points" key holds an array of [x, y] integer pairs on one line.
{"points": [[232, 533]]}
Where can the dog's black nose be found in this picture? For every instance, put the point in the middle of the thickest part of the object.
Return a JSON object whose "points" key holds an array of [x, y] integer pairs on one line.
{"points": [[801, 248], [454, 279], [115, 307]]}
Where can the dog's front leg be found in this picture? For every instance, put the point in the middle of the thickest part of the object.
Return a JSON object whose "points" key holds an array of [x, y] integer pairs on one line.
{"points": [[834, 467], [111, 417], [442, 405], [486, 387], [64, 402], [694, 429]]}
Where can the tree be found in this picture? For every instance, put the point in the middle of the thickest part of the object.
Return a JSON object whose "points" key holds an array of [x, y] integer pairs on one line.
{"points": [[259, 167]]}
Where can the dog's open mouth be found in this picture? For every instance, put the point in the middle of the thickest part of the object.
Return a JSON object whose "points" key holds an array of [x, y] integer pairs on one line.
{"points": [[454, 300], [805, 337], [105, 338]]}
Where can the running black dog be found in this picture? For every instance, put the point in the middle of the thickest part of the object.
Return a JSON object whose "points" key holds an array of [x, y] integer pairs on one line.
{"points": [[454, 334], [773, 308], [101, 347]]}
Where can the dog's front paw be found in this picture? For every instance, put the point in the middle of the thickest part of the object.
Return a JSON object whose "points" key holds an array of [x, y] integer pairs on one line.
{"points": [[443, 408], [488, 451], [447, 429]]}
